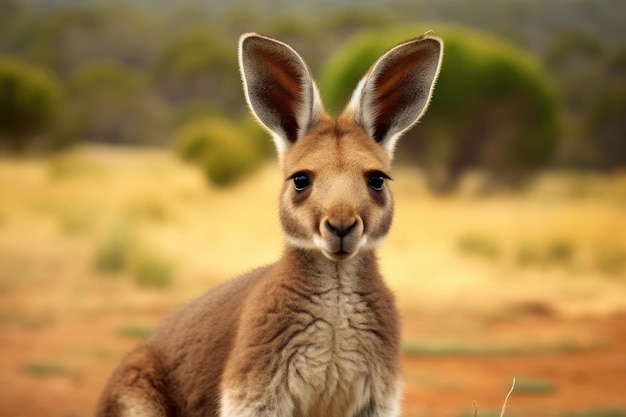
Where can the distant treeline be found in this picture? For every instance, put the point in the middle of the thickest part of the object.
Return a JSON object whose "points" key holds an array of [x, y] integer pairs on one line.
{"points": [[525, 85]]}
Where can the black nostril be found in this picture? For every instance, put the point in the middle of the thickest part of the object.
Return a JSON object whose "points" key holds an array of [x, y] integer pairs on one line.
{"points": [[340, 228]]}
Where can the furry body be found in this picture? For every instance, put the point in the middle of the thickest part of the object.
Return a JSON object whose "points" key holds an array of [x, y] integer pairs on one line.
{"points": [[317, 333]]}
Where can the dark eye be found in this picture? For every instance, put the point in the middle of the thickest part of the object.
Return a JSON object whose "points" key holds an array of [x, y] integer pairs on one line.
{"points": [[376, 181], [301, 182]]}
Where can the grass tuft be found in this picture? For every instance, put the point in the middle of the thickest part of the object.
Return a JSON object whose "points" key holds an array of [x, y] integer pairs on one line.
{"points": [[44, 368], [75, 219], [554, 253], [135, 330], [150, 210], [528, 255], [483, 413], [611, 261], [152, 271], [479, 246], [560, 252], [534, 386], [598, 413], [113, 255]]}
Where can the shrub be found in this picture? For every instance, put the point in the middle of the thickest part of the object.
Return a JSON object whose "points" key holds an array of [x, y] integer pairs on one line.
{"points": [[606, 129], [29, 101], [113, 256], [479, 245], [600, 412], [610, 260], [152, 271], [225, 152], [44, 368], [534, 386], [134, 330]]}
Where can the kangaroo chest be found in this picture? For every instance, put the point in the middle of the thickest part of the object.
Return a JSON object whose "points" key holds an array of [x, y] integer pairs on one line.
{"points": [[332, 362]]}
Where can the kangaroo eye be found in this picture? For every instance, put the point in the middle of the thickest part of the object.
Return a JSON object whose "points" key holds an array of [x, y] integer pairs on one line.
{"points": [[376, 181], [301, 182]]}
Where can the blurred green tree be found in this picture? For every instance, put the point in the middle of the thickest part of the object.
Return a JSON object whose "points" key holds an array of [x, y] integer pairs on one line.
{"points": [[198, 65], [29, 100], [573, 58], [606, 129], [10, 12], [493, 108], [110, 102], [592, 78], [66, 38]]}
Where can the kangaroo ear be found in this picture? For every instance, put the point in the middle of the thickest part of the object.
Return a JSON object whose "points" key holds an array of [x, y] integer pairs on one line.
{"points": [[395, 92], [279, 88]]}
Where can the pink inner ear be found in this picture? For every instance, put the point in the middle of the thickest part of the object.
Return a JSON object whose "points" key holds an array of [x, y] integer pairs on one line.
{"points": [[279, 88], [400, 85]]}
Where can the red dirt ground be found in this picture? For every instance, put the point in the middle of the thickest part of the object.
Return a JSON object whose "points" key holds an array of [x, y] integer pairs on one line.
{"points": [[435, 384]]}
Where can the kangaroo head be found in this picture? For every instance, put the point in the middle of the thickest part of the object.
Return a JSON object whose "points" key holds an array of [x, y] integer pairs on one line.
{"points": [[335, 199]]}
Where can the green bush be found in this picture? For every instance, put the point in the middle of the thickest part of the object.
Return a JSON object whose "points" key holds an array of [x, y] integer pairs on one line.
{"points": [[534, 386], [479, 245], [224, 151], [599, 412], [44, 368], [493, 107], [152, 271], [113, 255], [135, 330], [29, 102], [606, 129]]}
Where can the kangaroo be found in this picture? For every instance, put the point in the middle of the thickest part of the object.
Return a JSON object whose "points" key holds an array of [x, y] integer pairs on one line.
{"points": [[316, 333]]}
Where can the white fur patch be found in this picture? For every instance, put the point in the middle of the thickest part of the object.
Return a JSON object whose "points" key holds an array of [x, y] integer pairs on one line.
{"points": [[135, 404], [332, 367]]}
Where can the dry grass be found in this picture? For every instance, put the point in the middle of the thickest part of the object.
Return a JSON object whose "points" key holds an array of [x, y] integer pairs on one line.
{"points": [[128, 235], [99, 211]]}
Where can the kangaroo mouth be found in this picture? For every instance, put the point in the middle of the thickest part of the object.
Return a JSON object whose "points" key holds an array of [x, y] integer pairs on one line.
{"points": [[341, 255], [339, 249]]}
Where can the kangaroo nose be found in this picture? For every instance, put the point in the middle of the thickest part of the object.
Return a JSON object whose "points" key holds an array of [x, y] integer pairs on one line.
{"points": [[340, 227]]}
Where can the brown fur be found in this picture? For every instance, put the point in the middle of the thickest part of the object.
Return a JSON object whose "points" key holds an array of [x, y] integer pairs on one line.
{"points": [[316, 333]]}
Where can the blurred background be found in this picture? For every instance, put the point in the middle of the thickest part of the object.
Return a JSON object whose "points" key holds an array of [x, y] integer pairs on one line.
{"points": [[132, 179]]}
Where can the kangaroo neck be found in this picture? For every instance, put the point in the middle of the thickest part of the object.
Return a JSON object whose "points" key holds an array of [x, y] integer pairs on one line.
{"points": [[317, 272]]}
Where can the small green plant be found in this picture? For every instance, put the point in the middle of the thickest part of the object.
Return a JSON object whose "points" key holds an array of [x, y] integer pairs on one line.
{"points": [[103, 353], [149, 209], [483, 413], [611, 261], [75, 219], [135, 330], [528, 255], [30, 99], [555, 253], [44, 368], [152, 271], [534, 386], [560, 252], [70, 166], [598, 413], [226, 152], [479, 246], [113, 256]]}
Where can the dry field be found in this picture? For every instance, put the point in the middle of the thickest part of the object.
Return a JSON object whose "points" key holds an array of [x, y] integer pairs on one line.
{"points": [[98, 245]]}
